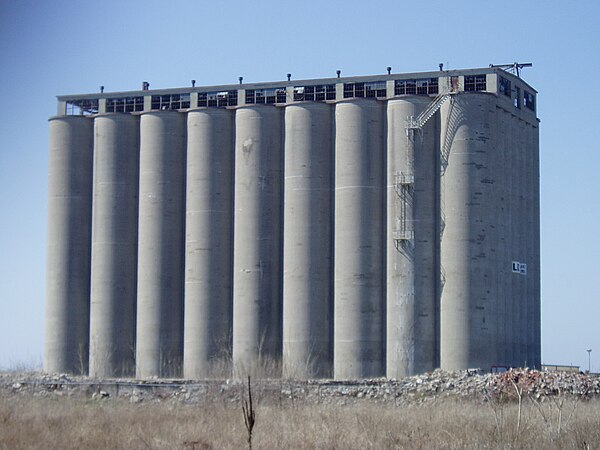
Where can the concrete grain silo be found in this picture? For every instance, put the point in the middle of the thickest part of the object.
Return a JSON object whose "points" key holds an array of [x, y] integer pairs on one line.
{"points": [[257, 258], [69, 244], [358, 321], [412, 227], [467, 313], [376, 226], [159, 342], [114, 245], [209, 243], [308, 231]]}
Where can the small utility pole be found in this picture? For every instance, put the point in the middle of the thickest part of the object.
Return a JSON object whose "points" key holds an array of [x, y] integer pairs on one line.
{"points": [[589, 360]]}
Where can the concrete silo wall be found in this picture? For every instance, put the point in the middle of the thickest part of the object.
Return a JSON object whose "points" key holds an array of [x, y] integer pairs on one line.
{"points": [[68, 245], [258, 230], [359, 309], [307, 264], [209, 244], [412, 269], [159, 346], [466, 309], [114, 245]]}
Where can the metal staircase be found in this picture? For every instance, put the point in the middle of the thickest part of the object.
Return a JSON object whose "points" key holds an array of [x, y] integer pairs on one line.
{"points": [[416, 123]]}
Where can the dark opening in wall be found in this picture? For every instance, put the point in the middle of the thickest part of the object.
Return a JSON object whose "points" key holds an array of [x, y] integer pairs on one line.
{"points": [[517, 99], [529, 100], [504, 86], [422, 86]]}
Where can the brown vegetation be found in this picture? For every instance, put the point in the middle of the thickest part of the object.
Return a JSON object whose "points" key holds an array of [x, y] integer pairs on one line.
{"points": [[28, 421]]}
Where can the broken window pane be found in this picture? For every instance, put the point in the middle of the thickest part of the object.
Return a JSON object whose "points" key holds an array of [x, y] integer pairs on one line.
{"points": [[171, 101], [318, 92], [421, 86], [370, 89], [83, 107], [269, 96]]}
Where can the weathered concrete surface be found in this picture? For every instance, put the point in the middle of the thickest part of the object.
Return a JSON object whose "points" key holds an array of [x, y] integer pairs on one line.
{"points": [[114, 245], [308, 241], [359, 292], [209, 243], [69, 244], [159, 342]]}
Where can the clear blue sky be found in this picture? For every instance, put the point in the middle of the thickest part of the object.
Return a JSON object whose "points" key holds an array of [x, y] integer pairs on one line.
{"points": [[64, 47]]}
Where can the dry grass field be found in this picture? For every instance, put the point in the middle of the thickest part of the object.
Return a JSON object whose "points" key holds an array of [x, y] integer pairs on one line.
{"points": [[57, 422]]}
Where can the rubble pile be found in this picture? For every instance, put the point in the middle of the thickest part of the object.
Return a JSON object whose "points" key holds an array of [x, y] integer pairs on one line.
{"points": [[429, 387]]}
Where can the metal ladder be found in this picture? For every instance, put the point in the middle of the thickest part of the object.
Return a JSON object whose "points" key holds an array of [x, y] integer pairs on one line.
{"points": [[403, 185]]}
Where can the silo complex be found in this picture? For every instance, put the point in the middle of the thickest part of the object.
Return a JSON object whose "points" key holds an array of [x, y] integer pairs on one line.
{"points": [[345, 228]]}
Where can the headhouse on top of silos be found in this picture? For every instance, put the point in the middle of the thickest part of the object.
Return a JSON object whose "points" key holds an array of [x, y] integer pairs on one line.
{"points": [[345, 227]]}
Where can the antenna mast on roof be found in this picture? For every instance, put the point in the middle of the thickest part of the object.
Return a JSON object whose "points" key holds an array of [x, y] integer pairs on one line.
{"points": [[513, 68]]}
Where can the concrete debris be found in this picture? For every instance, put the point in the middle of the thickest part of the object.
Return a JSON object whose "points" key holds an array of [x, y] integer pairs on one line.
{"points": [[100, 395], [429, 387]]}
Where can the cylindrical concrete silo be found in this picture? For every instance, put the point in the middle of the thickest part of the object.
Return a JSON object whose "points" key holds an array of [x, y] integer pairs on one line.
{"points": [[209, 243], [159, 341], [359, 293], [68, 245], [530, 236], [512, 241], [114, 245], [521, 236], [535, 272], [257, 237], [412, 233], [466, 309], [307, 256], [504, 253]]}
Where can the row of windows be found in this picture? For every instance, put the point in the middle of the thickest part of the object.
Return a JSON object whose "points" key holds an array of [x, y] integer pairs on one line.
{"points": [[82, 107], [371, 89], [375, 89], [218, 99], [528, 100], [424, 86], [475, 83], [265, 96], [171, 101], [316, 93], [125, 104]]}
